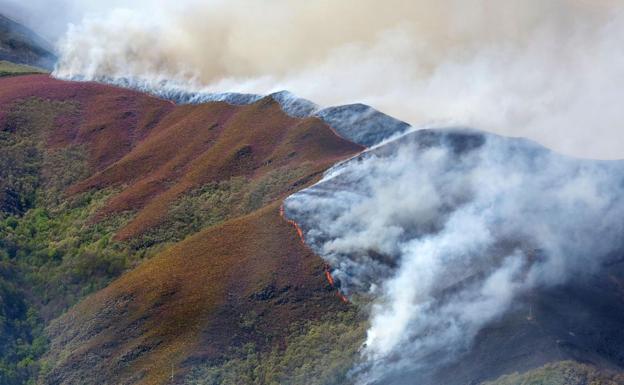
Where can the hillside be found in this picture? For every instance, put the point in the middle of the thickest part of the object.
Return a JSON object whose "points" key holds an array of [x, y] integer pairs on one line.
{"points": [[19, 44], [100, 179], [144, 242], [470, 235]]}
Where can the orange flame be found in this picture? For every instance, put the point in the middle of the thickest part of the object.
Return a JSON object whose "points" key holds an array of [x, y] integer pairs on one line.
{"points": [[331, 281], [294, 224], [328, 275]]}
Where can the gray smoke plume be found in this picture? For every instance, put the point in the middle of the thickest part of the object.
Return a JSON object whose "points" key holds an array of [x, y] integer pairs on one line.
{"points": [[445, 228]]}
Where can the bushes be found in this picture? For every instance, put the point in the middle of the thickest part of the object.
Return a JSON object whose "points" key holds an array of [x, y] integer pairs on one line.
{"points": [[316, 353], [216, 202], [21, 333], [23, 155], [62, 256], [197, 209], [50, 254], [57, 257]]}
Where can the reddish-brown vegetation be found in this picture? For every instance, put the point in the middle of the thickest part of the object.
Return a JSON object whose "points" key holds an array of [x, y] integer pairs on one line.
{"points": [[111, 121], [244, 280]]}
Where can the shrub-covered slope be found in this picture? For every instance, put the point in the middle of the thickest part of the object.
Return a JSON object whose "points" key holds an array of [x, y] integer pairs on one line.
{"points": [[98, 180], [141, 242]]}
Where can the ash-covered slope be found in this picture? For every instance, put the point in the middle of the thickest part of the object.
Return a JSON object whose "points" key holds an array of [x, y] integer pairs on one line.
{"points": [[19, 44], [484, 255], [362, 124]]}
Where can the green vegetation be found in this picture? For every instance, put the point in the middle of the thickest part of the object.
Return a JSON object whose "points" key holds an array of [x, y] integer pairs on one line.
{"points": [[27, 169], [319, 353], [561, 373], [51, 255], [214, 203], [21, 331], [11, 69], [52, 252]]}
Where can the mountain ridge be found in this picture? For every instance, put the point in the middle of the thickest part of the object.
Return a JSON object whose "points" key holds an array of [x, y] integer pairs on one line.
{"points": [[357, 122]]}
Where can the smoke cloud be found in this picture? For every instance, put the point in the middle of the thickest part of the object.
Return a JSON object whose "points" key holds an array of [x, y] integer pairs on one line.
{"points": [[548, 70], [445, 229]]}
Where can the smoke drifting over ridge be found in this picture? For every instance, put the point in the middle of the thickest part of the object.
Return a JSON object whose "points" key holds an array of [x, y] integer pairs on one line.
{"points": [[548, 70], [446, 229]]}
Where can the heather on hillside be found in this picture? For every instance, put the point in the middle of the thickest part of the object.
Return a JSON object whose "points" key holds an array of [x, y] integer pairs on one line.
{"points": [[66, 194]]}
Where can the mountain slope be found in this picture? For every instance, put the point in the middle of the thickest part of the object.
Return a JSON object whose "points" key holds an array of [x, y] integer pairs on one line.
{"points": [[143, 242], [357, 123], [194, 192], [490, 255], [20, 45]]}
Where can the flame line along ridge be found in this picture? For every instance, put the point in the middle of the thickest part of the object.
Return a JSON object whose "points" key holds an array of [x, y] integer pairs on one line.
{"points": [[328, 275]]}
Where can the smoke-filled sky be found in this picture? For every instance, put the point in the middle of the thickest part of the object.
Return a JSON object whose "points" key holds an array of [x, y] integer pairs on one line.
{"points": [[551, 70]]}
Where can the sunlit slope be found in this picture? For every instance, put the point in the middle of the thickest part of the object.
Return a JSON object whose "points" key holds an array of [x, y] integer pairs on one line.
{"points": [[243, 282], [237, 274]]}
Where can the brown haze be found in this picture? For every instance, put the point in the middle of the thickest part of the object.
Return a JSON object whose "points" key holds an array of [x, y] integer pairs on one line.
{"points": [[549, 70]]}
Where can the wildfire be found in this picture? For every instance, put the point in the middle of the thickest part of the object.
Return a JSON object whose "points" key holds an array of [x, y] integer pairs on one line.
{"points": [[294, 224], [328, 275], [331, 281]]}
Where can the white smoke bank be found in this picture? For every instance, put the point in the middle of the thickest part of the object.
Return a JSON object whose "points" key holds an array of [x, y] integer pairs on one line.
{"points": [[548, 70], [445, 229]]}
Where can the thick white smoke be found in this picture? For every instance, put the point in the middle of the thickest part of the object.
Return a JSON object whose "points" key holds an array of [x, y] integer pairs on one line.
{"points": [[446, 228], [548, 70]]}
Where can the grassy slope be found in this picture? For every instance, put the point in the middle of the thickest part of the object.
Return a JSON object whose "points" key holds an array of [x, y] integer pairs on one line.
{"points": [[12, 69], [196, 300]]}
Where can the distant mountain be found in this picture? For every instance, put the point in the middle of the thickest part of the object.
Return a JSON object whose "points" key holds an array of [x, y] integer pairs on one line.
{"points": [[20, 45]]}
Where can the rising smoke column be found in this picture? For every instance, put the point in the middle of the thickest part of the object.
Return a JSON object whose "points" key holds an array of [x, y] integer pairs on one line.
{"points": [[548, 70], [445, 228]]}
